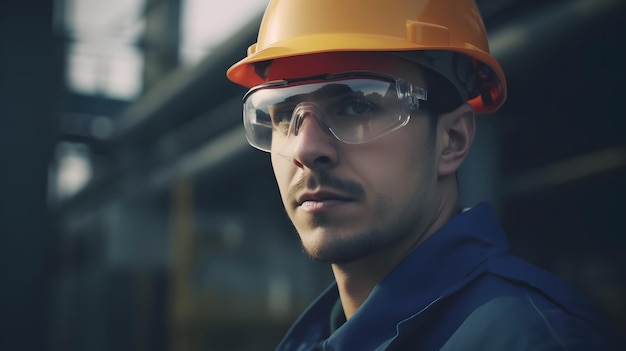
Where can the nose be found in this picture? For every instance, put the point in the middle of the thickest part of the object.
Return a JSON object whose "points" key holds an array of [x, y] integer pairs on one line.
{"points": [[312, 145]]}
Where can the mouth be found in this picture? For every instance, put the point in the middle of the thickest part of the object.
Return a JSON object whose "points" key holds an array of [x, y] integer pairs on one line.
{"points": [[322, 200]]}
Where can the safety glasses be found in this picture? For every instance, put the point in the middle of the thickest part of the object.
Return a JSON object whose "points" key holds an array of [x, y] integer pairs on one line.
{"points": [[355, 107]]}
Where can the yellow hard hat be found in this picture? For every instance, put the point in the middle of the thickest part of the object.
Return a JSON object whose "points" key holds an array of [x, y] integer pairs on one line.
{"points": [[447, 36]]}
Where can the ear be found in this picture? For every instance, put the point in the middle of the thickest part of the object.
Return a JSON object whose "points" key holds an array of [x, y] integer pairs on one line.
{"points": [[456, 133]]}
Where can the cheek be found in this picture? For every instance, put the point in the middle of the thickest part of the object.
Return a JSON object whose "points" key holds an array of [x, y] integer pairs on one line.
{"points": [[395, 168], [400, 178], [282, 173]]}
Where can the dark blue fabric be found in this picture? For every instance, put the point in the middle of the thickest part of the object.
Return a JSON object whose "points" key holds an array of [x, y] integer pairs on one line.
{"points": [[460, 290]]}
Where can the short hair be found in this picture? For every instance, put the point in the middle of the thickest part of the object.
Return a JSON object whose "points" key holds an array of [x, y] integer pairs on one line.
{"points": [[443, 97]]}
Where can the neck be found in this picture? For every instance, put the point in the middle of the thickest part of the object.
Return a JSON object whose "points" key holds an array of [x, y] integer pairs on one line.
{"points": [[356, 279]]}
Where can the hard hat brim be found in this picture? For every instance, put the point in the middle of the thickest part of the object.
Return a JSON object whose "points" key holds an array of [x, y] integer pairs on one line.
{"points": [[243, 72]]}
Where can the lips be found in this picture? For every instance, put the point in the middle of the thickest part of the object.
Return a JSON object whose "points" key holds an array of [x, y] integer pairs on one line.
{"points": [[317, 199], [321, 191]]}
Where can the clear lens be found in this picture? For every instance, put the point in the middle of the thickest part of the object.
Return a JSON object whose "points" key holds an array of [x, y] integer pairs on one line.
{"points": [[354, 107]]}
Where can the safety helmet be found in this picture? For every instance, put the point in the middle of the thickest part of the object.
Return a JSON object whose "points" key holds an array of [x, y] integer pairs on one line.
{"points": [[447, 36]]}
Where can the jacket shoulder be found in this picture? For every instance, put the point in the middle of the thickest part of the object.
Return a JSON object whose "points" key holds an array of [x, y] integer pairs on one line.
{"points": [[527, 321]]}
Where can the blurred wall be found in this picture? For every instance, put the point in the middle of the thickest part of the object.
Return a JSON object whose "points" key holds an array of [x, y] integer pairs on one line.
{"points": [[30, 91], [173, 236]]}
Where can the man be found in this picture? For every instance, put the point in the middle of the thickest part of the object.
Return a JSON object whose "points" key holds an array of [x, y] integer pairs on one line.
{"points": [[367, 109]]}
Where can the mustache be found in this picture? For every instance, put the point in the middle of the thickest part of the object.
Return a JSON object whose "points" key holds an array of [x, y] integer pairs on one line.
{"points": [[324, 179]]}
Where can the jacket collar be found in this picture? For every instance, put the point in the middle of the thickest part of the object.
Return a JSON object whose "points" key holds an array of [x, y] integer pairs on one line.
{"points": [[442, 263]]}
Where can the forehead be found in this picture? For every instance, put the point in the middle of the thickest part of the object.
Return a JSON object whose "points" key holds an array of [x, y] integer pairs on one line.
{"points": [[337, 62]]}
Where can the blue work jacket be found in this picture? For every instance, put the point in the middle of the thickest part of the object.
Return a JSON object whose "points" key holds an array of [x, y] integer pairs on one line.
{"points": [[459, 290]]}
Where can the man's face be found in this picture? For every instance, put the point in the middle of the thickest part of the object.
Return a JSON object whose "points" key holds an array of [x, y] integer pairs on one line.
{"points": [[349, 201]]}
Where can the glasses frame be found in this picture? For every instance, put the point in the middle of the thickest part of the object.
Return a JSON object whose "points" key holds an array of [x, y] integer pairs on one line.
{"points": [[411, 93]]}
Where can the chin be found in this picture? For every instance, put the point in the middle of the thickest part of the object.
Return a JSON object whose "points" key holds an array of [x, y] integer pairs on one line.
{"points": [[348, 249]]}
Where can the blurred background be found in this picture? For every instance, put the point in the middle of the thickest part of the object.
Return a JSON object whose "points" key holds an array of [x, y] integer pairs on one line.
{"points": [[134, 216]]}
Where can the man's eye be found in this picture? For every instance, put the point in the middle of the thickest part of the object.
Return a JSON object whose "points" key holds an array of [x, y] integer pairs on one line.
{"points": [[282, 115], [357, 107], [282, 118]]}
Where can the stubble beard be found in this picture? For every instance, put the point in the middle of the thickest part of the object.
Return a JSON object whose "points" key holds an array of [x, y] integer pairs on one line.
{"points": [[356, 245], [345, 250]]}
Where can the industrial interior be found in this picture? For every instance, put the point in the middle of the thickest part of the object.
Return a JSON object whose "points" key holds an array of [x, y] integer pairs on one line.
{"points": [[135, 216]]}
